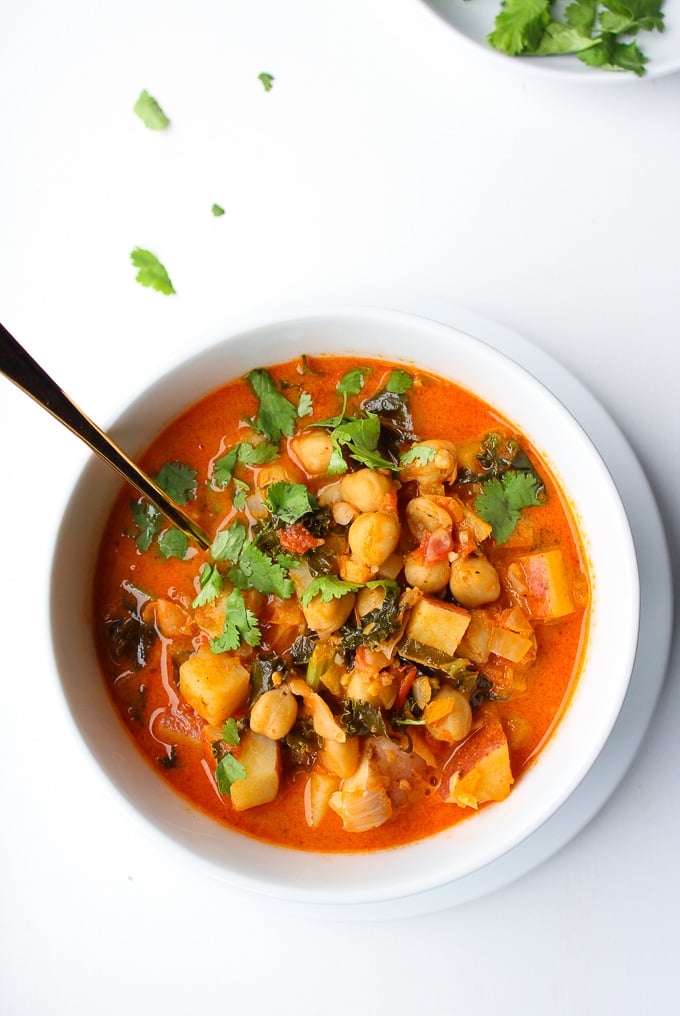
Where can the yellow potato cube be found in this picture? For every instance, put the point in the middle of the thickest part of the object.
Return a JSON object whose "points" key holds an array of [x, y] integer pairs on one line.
{"points": [[260, 759], [479, 770], [214, 684], [436, 624]]}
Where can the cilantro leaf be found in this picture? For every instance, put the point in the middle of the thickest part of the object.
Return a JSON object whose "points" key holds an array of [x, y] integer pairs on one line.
{"points": [[228, 544], [151, 272], [501, 500], [178, 480], [217, 210], [289, 501], [211, 585], [305, 407], [255, 569], [613, 55], [352, 382], [148, 520], [360, 436], [240, 625], [419, 453], [267, 80], [276, 415], [148, 110], [228, 771], [520, 26], [328, 587], [399, 382], [173, 543], [240, 493], [245, 453], [582, 15], [230, 733]]}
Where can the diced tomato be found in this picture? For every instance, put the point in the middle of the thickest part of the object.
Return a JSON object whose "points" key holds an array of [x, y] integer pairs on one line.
{"points": [[408, 676], [297, 538], [436, 546]]}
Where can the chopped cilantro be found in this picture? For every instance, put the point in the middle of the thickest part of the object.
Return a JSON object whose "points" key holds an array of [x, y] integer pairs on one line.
{"points": [[361, 436], [228, 544], [148, 520], [399, 382], [276, 415], [240, 625], [217, 210], [173, 543], [211, 585], [257, 570], [601, 33], [151, 114], [151, 272], [240, 493], [305, 407], [178, 480], [419, 453], [502, 499], [230, 733], [267, 80], [228, 771], [328, 587], [289, 501], [244, 453]]}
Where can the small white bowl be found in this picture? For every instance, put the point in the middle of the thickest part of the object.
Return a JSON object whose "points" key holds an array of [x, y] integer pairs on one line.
{"points": [[324, 879]]}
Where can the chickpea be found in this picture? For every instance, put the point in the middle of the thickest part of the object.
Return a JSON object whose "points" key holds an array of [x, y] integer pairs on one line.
{"points": [[313, 449], [369, 599], [366, 489], [373, 536], [456, 724], [276, 471], [330, 494], [424, 515], [343, 512], [325, 618], [429, 578], [440, 469], [474, 581], [170, 619], [274, 713]]}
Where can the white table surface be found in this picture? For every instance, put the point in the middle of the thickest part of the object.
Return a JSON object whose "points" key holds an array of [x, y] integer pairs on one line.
{"points": [[390, 158]]}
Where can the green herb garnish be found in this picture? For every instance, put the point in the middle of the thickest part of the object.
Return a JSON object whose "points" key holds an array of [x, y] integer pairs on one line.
{"points": [[289, 501], [173, 543], [148, 110], [328, 587], [267, 80], [276, 415], [151, 272], [178, 480], [501, 501], [228, 771], [240, 625], [217, 210]]}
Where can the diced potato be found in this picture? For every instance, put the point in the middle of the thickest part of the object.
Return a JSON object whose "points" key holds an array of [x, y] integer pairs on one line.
{"points": [[479, 770], [260, 759], [475, 643], [542, 580], [213, 684], [318, 791], [436, 624]]}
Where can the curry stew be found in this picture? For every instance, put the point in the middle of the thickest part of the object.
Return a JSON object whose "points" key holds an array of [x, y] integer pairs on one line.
{"points": [[388, 625]]}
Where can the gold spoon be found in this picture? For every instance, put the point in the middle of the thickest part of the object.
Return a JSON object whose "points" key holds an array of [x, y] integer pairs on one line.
{"points": [[22, 369]]}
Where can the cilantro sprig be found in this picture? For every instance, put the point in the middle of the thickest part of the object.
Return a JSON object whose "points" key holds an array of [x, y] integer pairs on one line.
{"points": [[501, 501], [229, 769], [276, 416], [150, 113], [242, 453], [240, 625], [601, 33], [179, 481], [289, 501], [151, 272]]}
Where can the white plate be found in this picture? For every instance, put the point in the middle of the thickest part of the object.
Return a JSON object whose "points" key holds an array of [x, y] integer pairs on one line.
{"points": [[654, 639], [474, 19]]}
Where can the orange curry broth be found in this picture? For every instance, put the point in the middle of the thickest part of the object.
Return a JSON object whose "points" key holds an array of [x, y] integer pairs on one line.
{"points": [[440, 409]]}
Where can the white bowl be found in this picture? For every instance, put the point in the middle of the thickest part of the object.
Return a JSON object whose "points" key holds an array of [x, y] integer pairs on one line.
{"points": [[386, 875]]}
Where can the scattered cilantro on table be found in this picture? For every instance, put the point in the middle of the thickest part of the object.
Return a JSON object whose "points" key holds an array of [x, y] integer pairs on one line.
{"points": [[267, 80], [150, 113], [501, 501], [601, 33], [217, 210], [151, 272]]}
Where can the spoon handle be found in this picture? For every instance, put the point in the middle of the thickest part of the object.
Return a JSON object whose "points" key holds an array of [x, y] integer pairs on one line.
{"points": [[22, 369]]}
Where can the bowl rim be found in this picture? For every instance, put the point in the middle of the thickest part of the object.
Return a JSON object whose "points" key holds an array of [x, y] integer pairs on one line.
{"points": [[207, 349]]}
